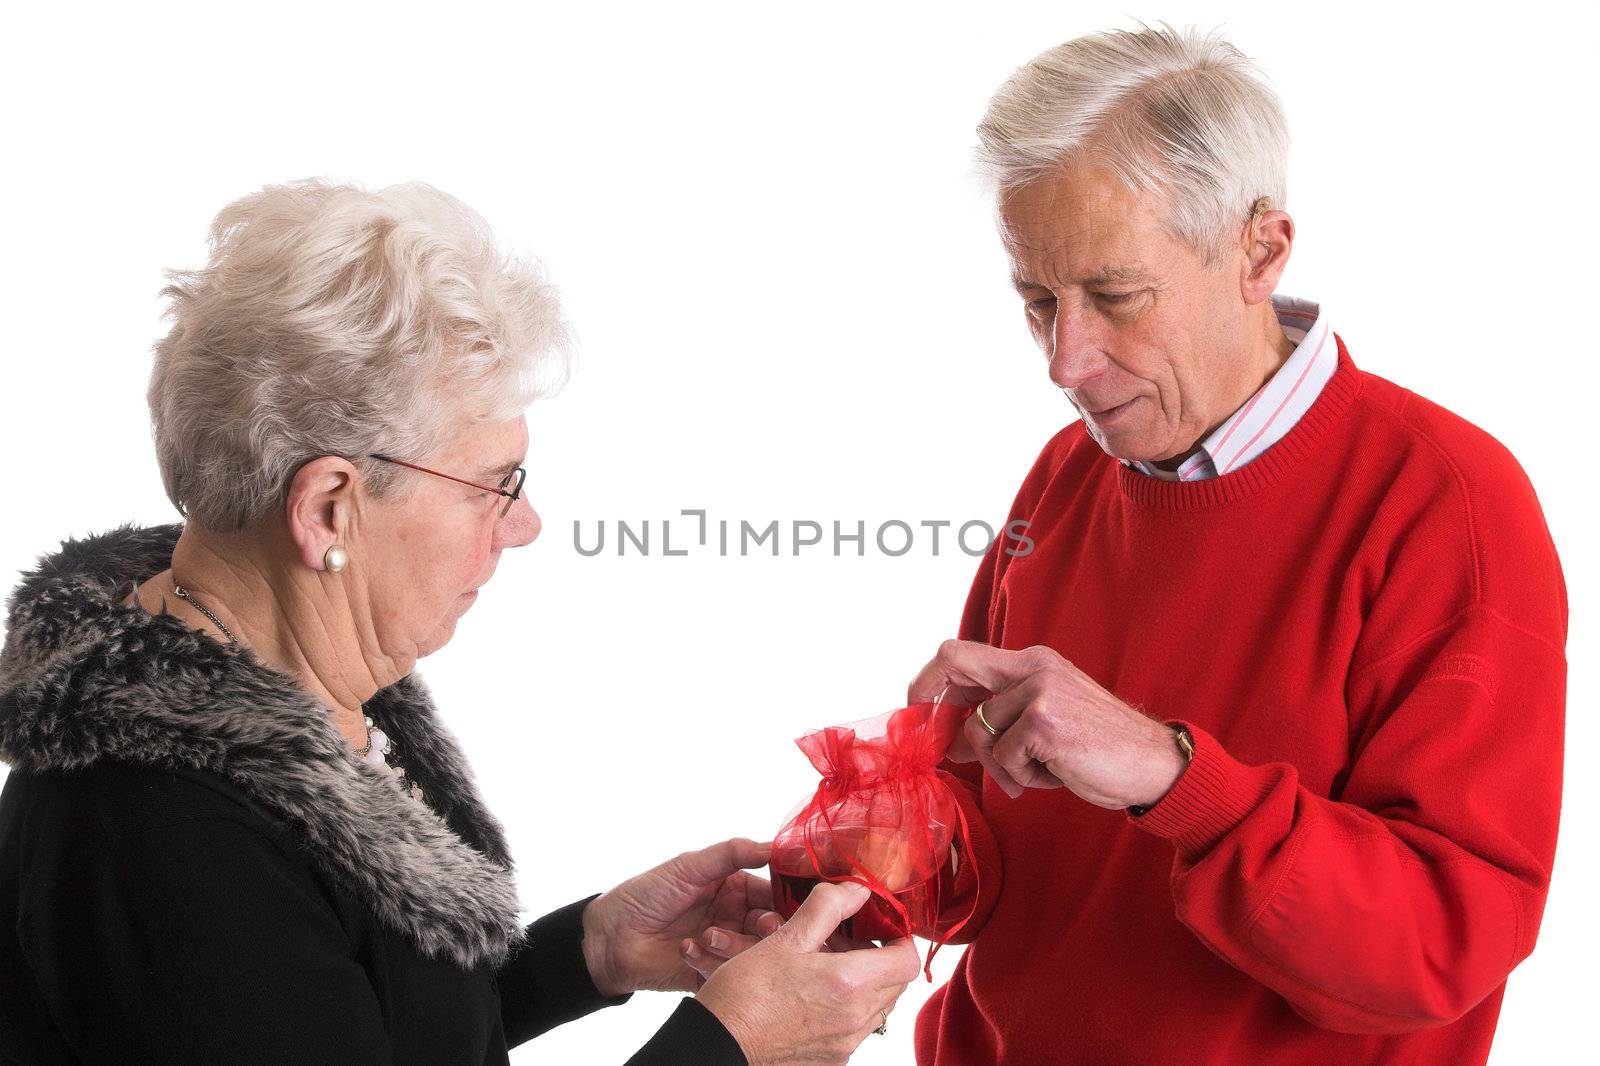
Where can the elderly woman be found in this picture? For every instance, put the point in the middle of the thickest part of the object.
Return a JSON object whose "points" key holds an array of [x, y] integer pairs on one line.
{"points": [[235, 830]]}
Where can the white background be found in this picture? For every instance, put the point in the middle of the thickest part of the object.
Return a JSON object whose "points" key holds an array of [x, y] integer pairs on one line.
{"points": [[793, 306]]}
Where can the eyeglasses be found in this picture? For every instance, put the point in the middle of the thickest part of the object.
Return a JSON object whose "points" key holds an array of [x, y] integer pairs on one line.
{"points": [[510, 486]]}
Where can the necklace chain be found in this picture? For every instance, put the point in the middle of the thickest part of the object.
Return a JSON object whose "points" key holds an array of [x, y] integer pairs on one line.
{"points": [[183, 594]]}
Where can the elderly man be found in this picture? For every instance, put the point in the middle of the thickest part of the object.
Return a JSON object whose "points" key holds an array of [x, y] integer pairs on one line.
{"points": [[1267, 762]]}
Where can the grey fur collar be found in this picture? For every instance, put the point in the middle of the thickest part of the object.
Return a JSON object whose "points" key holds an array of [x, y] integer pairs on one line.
{"points": [[85, 678]]}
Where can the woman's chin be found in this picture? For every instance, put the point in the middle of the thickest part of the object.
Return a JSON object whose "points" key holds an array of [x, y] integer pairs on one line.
{"points": [[446, 628]]}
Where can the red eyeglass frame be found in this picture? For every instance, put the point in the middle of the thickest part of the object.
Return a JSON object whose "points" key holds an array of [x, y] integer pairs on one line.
{"points": [[512, 495]]}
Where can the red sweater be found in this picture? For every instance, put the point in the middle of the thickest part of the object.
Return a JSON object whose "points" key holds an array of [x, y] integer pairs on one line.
{"points": [[1364, 628]]}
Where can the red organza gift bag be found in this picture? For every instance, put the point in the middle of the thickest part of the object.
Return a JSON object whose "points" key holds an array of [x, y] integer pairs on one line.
{"points": [[881, 817]]}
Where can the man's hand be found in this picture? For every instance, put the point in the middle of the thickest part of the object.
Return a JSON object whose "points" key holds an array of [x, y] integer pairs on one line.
{"points": [[1057, 726], [632, 935]]}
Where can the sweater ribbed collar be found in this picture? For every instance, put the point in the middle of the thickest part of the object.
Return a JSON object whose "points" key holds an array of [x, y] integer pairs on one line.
{"points": [[1271, 465]]}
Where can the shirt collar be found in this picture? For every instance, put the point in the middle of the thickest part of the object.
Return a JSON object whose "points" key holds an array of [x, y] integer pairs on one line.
{"points": [[1273, 410]]}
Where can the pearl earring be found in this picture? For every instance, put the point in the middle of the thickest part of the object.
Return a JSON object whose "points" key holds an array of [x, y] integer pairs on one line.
{"points": [[336, 558]]}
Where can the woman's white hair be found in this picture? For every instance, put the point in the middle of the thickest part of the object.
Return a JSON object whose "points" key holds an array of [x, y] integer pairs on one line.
{"points": [[1177, 114], [331, 320]]}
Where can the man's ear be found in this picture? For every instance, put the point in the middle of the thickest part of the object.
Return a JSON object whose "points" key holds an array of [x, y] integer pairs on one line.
{"points": [[320, 507], [1267, 240]]}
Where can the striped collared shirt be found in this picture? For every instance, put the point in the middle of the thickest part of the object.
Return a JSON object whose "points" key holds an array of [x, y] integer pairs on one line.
{"points": [[1275, 407]]}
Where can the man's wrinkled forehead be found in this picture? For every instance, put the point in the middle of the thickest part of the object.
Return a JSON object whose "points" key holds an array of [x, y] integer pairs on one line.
{"points": [[1087, 226]]}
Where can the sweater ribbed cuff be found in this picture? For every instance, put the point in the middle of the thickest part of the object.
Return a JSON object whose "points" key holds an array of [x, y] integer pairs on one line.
{"points": [[1213, 795]]}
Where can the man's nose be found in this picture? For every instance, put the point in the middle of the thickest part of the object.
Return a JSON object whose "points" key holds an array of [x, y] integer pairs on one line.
{"points": [[520, 526], [1076, 353]]}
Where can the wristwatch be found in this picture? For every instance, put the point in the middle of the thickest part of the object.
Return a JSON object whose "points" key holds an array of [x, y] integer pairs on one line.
{"points": [[1185, 742]]}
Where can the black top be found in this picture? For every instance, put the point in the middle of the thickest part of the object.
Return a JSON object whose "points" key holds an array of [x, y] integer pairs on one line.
{"points": [[161, 916], [195, 867]]}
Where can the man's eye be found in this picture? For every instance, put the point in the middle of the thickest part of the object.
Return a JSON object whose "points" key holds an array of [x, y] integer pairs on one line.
{"points": [[1042, 305], [1115, 297]]}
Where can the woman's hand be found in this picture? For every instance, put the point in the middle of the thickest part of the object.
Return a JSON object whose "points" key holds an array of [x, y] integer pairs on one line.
{"points": [[706, 953], [790, 999], [633, 934]]}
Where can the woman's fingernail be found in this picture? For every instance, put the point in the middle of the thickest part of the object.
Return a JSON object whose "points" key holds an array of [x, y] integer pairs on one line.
{"points": [[690, 950], [716, 939]]}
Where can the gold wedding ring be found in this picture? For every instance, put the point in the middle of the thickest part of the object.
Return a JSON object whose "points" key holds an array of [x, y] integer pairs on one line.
{"points": [[991, 730]]}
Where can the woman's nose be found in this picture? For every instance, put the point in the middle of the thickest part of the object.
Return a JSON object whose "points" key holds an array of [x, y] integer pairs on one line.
{"points": [[520, 525]]}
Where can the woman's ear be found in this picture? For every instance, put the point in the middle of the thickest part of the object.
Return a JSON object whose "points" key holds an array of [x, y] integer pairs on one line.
{"points": [[321, 507]]}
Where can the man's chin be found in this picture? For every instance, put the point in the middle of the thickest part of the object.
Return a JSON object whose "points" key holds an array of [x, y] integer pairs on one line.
{"points": [[1123, 446], [1120, 442]]}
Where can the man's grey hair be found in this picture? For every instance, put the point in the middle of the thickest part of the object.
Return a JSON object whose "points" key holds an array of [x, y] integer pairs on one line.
{"points": [[1182, 115], [331, 320]]}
